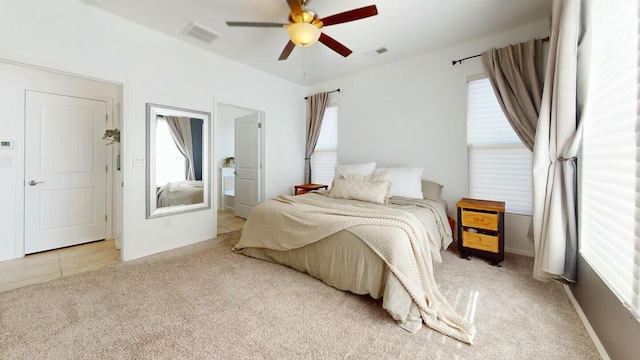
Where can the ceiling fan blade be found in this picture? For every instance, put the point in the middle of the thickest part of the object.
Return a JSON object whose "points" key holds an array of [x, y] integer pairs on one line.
{"points": [[287, 50], [254, 24], [334, 45], [296, 8], [351, 15]]}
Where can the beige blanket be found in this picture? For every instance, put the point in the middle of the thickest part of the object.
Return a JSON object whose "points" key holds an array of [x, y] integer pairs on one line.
{"points": [[290, 222]]}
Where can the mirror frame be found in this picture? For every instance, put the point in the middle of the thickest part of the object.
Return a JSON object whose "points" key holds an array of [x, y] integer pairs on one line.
{"points": [[153, 110]]}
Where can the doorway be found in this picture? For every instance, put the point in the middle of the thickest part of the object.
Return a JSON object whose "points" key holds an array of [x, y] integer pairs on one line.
{"points": [[66, 101], [239, 158]]}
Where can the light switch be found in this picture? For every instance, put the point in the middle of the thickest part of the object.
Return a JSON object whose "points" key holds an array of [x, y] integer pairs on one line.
{"points": [[6, 161], [6, 144], [138, 161]]}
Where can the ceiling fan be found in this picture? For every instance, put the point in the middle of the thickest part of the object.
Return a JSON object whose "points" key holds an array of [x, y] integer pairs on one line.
{"points": [[304, 26]]}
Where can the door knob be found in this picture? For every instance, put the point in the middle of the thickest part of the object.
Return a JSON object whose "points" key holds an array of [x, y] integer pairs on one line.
{"points": [[34, 183]]}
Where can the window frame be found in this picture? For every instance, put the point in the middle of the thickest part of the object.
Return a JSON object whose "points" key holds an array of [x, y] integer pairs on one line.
{"points": [[507, 141], [608, 162], [324, 178]]}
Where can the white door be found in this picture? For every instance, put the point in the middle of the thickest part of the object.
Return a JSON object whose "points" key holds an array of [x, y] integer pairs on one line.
{"points": [[247, 160], [65, 171]]}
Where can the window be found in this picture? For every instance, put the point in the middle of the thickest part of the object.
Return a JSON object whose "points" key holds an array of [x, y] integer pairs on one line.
{"points": [[609, 182], [325, 156], [173, 166], [499, 164]]}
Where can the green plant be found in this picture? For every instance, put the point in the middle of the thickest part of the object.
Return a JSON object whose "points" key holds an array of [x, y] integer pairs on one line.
{"points": [[112, 136], [228, 161]]}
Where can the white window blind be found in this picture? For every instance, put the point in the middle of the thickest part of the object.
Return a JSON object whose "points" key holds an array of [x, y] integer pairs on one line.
{"points": [[609, 208], [171, 165], [499, 164], [325, 156]]}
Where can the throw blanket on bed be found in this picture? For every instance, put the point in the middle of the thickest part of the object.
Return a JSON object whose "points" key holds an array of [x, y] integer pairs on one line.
{"points": [[442, 232], [289, 222]]}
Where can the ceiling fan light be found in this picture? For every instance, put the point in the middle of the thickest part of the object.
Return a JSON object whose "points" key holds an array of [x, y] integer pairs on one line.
{"points": [[303, 34]]}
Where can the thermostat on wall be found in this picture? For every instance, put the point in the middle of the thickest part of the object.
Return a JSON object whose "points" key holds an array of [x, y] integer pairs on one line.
{"points": [[6, 144]]}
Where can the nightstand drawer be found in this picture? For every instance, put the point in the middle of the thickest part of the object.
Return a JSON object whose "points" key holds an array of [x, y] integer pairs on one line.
{"points": [[481, 229], [481, 242], [480, 220]]}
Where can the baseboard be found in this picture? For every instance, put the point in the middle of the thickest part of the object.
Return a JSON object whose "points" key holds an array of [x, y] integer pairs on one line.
{"points": [[587, 325], [518, 252]]}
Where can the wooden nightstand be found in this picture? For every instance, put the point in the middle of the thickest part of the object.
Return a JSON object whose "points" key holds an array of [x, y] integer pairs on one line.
{"points": [[481, 229], [303, 189], [452, 225]]}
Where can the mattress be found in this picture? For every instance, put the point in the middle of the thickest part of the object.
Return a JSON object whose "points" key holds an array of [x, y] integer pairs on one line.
{"points": [[343, 261]]}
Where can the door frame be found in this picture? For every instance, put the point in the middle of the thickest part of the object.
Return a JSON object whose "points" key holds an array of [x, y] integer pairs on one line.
{"points": [[261, 148], [117, 107]]}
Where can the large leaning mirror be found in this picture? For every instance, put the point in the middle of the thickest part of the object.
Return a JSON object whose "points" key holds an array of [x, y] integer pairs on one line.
{"points": [[178, 176]]}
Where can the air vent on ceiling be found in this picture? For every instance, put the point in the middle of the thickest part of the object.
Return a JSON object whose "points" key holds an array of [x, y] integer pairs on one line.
{"points": [[201, 33], [375, 52]]}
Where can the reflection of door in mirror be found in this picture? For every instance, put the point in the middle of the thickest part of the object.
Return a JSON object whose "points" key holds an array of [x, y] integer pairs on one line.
{"points": [[177, 171]]}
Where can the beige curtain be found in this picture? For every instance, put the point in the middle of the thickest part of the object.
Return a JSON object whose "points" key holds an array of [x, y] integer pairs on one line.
{"points": [[180, 129], [515, 73], [316, 104], [556, 145]]}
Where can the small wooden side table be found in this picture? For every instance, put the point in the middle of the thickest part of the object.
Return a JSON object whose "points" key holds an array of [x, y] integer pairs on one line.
{"points": [[305, 188], [481, 229]]}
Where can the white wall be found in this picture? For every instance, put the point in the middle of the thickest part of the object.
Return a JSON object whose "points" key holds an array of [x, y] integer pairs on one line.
{"points": [[413, 112], [70, 36]]}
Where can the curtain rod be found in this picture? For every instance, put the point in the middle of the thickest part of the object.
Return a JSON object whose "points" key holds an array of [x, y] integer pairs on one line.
{"points": [[454, 62], [328, 92]]}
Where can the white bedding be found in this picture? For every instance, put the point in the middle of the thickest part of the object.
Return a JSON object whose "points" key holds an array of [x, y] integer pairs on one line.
{"points": [[180, 193]]}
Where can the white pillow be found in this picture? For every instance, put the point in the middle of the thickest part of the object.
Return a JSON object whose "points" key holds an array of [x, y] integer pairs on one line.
{"points": [[363, 188], [405, 181], [365, 169]]}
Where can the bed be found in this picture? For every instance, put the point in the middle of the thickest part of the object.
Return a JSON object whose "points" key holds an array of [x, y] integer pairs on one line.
{"points": [[180, 193], [383, 249]]}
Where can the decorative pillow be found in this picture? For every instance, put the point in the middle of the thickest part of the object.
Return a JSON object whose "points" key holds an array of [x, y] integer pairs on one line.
{"points": [[405, 181], [365, 169], [363, 188], [432, 190]]}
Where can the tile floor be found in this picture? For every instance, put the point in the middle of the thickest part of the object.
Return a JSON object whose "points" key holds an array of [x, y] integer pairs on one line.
{"points": [[49, 265], [228, 222]]}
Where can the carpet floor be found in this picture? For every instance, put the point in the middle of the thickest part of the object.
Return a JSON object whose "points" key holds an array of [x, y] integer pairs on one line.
{"points": [[206, 302]]}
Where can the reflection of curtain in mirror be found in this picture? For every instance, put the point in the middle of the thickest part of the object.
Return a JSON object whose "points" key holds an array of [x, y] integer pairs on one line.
{"points": [[170, 163], [180, 128], [196, 137]]}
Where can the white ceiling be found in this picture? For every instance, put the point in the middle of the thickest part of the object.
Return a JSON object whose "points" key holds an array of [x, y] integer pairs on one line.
{"points": [[405, 27]]}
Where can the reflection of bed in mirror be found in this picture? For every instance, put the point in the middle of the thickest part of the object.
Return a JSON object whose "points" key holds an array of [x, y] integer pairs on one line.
{"points": [[180, 193]]}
